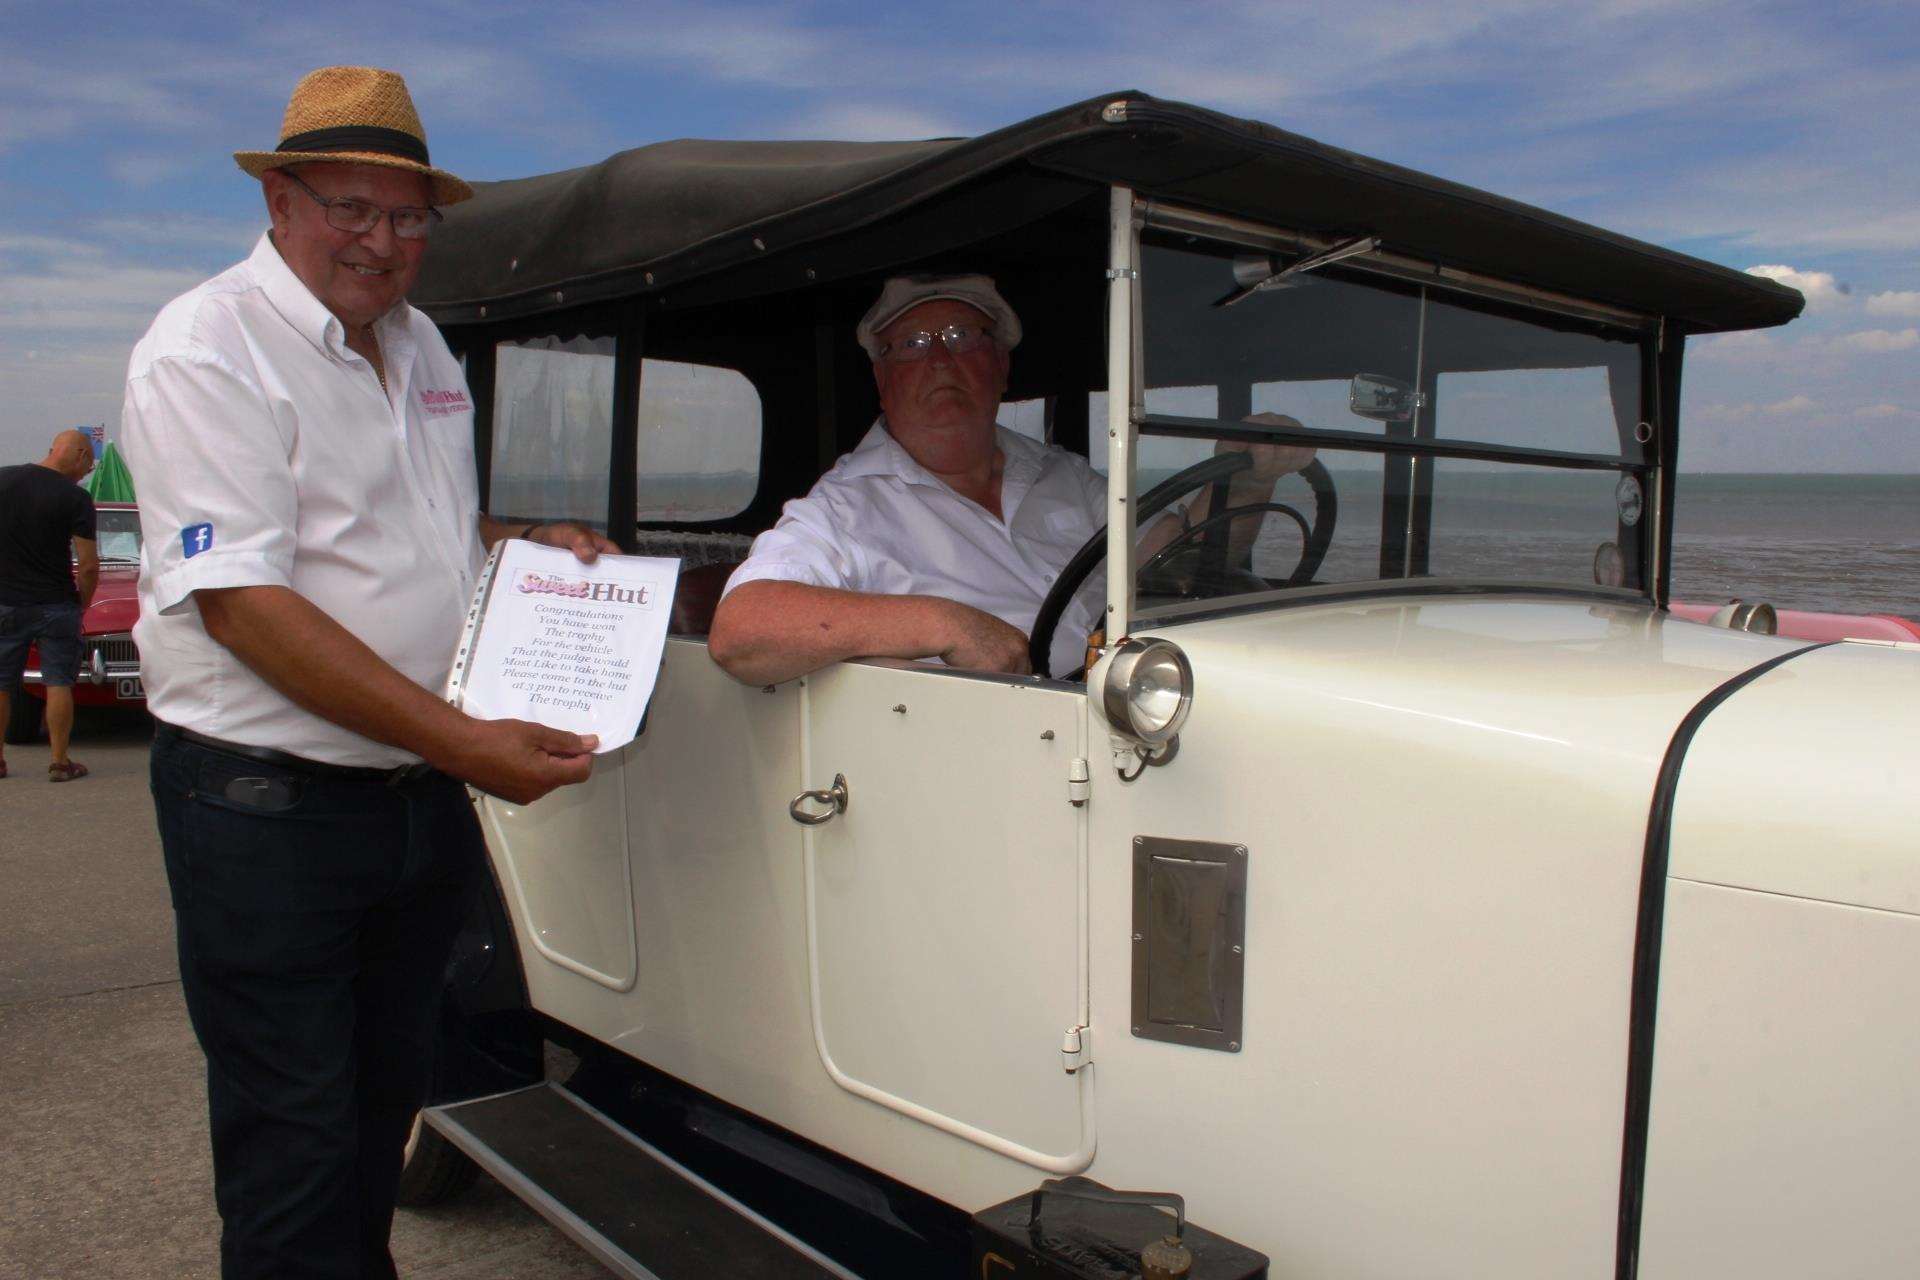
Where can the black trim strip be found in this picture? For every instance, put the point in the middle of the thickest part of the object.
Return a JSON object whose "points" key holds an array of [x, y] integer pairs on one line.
{"points": [[1166, 424], [1646, 963], [357, 137]]}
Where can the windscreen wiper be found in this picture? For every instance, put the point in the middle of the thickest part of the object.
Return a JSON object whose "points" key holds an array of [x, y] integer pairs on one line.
{"points": [[1299, 266]]}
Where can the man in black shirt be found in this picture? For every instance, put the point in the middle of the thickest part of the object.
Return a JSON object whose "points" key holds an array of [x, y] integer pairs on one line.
{"points": [[43, 509]]}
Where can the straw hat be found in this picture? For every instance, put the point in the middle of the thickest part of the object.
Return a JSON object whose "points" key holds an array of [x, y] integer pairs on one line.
{"points": [[354, 115]]}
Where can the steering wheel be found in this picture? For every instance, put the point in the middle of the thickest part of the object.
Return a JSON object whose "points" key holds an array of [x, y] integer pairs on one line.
{"points": [[1180, 567], [1216, 470]]}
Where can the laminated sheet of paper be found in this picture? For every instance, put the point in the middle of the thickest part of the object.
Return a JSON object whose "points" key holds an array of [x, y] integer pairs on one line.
{"points": [[569, 645]]}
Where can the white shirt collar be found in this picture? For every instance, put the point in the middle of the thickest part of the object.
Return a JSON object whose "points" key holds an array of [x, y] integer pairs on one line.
{"points": [[879, 454], [297, 304]]}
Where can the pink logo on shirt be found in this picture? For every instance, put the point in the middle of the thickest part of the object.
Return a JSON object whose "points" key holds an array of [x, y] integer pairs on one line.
{"points": [[443, 404]]}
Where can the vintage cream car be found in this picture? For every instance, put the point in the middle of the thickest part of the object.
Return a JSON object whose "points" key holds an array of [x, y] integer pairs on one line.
{"points": [[1416, 896]]}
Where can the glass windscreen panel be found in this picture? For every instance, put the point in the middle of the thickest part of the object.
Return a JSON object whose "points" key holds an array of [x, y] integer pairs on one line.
{"points": [[552, 429], [1426, 436], [1521, 524], [1501, 380], [698, 456], [1160, 457], [117, 535], [1311, 335]]}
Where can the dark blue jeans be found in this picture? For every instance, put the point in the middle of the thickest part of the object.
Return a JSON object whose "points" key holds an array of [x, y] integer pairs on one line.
{"points": [[55, 626], [314, 919]]}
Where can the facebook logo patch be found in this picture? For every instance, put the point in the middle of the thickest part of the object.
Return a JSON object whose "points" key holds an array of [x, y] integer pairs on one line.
{"points": [[196, 538]]}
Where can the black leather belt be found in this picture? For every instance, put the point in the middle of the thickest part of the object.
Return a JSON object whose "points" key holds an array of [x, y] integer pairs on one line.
{"points": [[299, 764]]}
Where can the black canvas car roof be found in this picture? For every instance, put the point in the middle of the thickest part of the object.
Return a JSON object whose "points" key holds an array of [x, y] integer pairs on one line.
{"points": [[665, 216]]}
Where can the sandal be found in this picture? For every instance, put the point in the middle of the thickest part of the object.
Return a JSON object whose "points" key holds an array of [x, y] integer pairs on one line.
{"points": [[66, 772], [3, 766]]}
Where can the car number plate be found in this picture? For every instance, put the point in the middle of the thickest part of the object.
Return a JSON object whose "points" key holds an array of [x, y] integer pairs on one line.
{"points": [[129, 687]]}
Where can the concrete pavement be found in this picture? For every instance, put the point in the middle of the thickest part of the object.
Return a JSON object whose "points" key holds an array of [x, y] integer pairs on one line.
{"points": [[104, 1159]]}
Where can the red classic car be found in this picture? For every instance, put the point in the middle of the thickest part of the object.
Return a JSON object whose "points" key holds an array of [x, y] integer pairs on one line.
{"points": [[109, 664]]}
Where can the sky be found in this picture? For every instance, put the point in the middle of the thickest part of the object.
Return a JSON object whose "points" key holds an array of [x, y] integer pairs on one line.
{"points": [[1773, 138]]}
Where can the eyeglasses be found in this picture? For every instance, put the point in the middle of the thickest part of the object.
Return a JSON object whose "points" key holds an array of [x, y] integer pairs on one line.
{"points": [[344, 213], [958, 339]]}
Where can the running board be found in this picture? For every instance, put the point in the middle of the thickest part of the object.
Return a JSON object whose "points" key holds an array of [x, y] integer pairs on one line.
{"points": [[626, 1203]]}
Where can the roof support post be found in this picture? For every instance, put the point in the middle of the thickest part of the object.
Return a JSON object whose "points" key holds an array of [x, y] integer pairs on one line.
{"points": [[623, 461], [480, 382], [1125, 403], [1670, 353]]}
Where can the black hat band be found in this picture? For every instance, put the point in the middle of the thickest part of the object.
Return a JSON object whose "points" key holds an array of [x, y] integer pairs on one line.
{"points": [[392, 142]]}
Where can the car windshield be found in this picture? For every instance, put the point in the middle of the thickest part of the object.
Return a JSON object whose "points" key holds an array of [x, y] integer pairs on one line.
{"points": [[1454, 440], [119, 532]]}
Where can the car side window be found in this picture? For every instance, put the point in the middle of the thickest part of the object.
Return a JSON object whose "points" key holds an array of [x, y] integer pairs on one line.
{"points": [[698, 457], [552, 429]]}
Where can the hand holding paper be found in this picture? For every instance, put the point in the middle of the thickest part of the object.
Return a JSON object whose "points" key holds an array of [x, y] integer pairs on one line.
{"points": [[519, 761], [569, 645]]}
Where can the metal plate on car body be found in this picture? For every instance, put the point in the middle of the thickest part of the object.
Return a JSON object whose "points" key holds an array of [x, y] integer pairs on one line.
{"points": [[1189, 941]]}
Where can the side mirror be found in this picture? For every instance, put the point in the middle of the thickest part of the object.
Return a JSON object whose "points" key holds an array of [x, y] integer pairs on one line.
{"points": [[1384, 399]]}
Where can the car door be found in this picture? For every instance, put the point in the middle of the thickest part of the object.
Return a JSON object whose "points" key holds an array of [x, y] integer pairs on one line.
{"points": [[946, 903]]}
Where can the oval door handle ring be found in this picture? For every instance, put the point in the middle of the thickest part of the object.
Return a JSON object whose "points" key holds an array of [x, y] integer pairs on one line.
{"points": [[834, 797]]}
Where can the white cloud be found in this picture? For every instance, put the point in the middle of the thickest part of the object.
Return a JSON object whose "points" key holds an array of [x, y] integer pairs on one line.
{"points": [[1877, 341], [1716, 412], [60, 285], [144, 171], [214, 241], [1742, 347], [1817, 228], [867, 122], [82, 296], [1885, 411], [1811, 352], [71, 309], [1894, 303], [1724, 412], [49, 96], [741, 45], [1821, 289]]}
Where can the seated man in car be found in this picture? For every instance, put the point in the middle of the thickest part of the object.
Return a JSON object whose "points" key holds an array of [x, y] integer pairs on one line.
{"points": [[941, 533]]}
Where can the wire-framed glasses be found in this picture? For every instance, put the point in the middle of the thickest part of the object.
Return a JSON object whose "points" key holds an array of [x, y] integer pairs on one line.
{"points": [[958, 338], [344, 213]]}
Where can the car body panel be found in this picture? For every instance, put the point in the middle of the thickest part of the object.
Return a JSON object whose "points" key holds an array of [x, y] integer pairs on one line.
{"points": [[1782, 1135], [1805, 783], [1445, 802], [580, 918]]}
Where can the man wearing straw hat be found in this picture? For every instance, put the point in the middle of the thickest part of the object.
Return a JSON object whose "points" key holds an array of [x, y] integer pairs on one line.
{"points": [[302, 443]]}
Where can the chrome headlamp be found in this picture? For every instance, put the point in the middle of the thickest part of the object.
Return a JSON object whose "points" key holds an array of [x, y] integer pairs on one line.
{"points": [[1147, 691]]}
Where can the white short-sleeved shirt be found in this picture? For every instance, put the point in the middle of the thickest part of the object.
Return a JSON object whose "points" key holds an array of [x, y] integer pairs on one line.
{"points": [[264, 453], [880, 522]]}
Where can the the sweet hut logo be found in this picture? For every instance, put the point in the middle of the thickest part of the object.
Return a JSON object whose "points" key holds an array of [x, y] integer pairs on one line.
{"points": [[531, 582], [444, 404]]}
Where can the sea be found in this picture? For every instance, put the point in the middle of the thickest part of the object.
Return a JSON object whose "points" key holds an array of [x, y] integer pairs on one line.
{"points": [[1828, 543], [1825, 543], [1831, 543]]}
